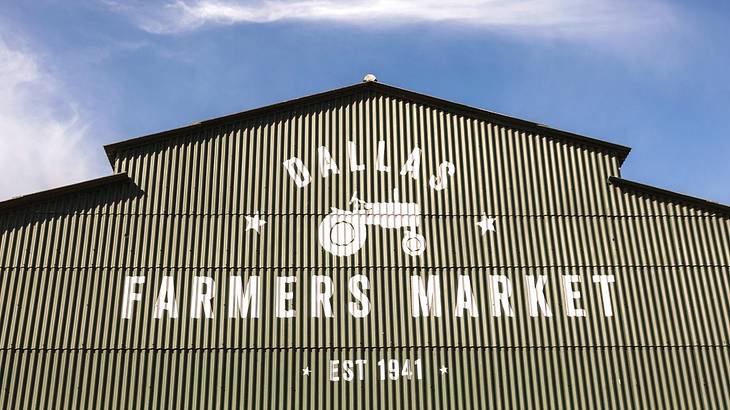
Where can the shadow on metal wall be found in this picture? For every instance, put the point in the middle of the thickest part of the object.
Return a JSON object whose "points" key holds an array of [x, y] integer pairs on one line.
{"points": [[100, 196]]}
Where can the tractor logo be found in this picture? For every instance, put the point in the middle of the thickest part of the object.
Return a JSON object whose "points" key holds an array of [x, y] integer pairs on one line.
{"points": [[343, 233]]}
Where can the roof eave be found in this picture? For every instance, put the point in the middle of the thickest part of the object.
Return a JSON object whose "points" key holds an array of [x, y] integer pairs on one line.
{"points": [[687, 199], [25, 200]]}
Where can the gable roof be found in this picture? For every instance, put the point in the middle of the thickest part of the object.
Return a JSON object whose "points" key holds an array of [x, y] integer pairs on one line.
{"points": [[619, 150]]}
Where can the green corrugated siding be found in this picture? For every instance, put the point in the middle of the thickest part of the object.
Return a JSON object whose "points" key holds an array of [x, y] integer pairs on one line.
{"points": [[221, 241], [477, 378], [63, 263]]}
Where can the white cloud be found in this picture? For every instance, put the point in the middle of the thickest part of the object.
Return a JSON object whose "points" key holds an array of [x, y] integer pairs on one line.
{"points": [[595, 18], [44, 141]]}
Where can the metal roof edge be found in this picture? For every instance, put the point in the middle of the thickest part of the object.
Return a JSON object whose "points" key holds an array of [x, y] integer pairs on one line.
{"points": [[113, 148], [698, 202], [621, 151], [21, 201]]}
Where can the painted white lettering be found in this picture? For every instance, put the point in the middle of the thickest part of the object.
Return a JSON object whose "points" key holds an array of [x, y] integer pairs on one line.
{"points": [[360, 363], [347, 374], [334, 370], [327, 165], [501, 291], [465, 298], [166, 299], [352, 157], [440, 181], [321, 297], [412, 164], [571, 296], [425, 301], [536, 295], [239, 302], [380, 158], [283, 295], [298, 172], [131, 295], [604, 280], [203, 292], [361, 306]]}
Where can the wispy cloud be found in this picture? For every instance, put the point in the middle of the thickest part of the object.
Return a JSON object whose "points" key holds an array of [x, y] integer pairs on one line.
{"points": [[44, 140], [531, 17]]}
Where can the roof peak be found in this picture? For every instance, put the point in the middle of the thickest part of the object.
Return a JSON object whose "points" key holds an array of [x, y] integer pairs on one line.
{"points": [[619, 150], [369, 78]]}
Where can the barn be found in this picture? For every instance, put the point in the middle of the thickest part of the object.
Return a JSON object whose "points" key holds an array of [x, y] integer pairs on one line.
{"points": [[364, 247]]}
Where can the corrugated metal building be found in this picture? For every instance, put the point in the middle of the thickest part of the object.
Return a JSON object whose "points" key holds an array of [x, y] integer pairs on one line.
{"points": [[366, 247]]}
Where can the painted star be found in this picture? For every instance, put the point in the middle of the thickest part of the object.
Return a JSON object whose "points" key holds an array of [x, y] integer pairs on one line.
{"points": [[306, 371], [255, 223], [487, 224], [444, 370]]}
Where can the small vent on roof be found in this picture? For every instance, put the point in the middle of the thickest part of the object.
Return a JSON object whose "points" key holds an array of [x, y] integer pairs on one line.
{"points": [[369, 78]]}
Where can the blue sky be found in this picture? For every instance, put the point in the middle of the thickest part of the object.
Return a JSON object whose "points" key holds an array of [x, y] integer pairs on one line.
{"points": [[652, 75]]}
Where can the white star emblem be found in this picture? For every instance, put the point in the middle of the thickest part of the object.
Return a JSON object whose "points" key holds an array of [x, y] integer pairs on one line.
{"points": [[255, 223], [487, 224], [306, 371], [444, 370]]}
